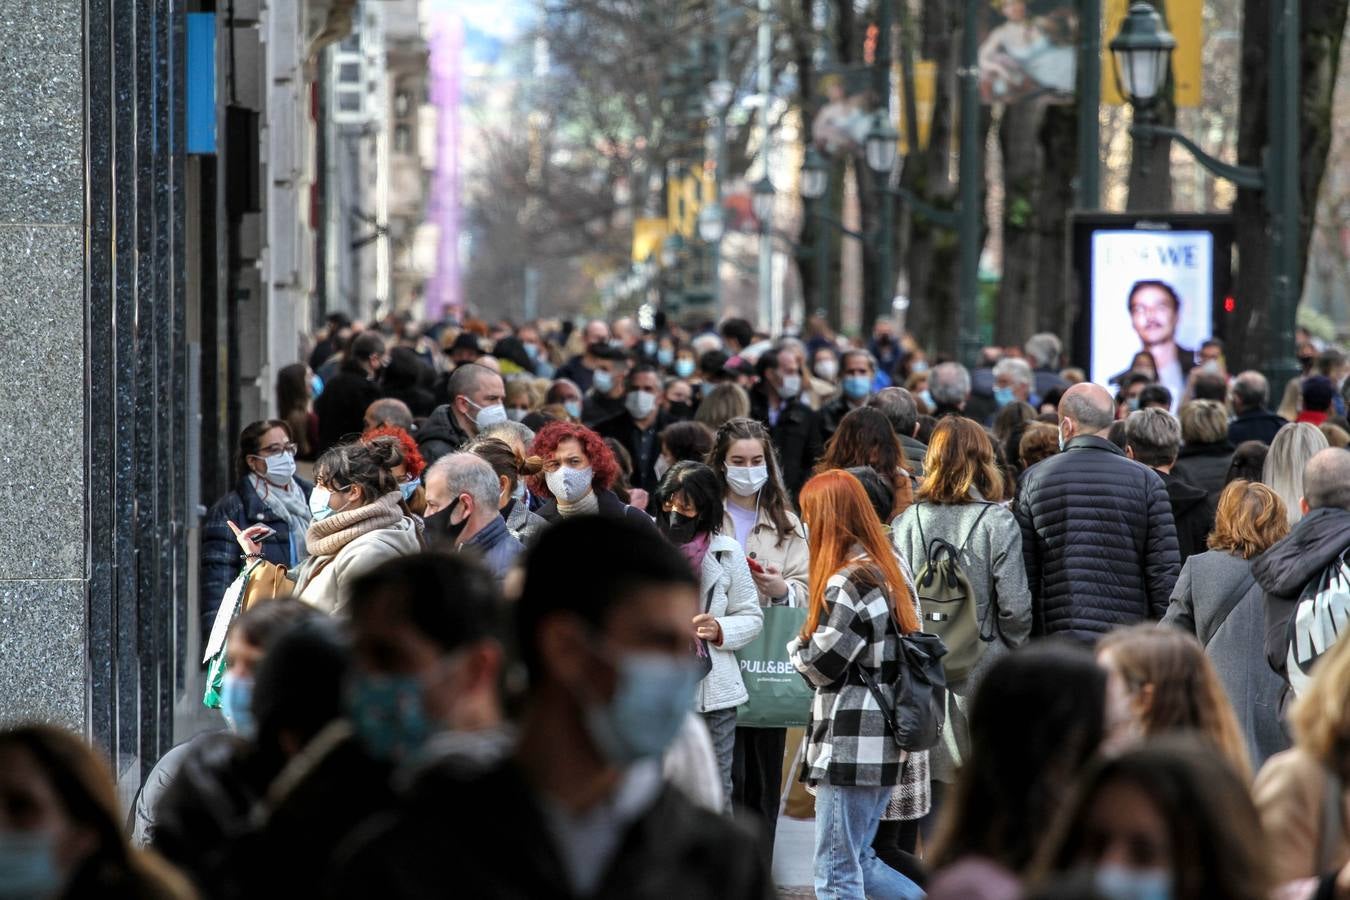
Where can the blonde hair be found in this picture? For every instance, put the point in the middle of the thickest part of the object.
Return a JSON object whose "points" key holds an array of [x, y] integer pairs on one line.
{"points": [[1204, 422], [1294, 445], [1320, 718]]}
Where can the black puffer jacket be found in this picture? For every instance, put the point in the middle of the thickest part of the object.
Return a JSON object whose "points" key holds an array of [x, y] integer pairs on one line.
{"points": [[1192, 514], [1285, 569], [1205, 466], [1098, 540]]}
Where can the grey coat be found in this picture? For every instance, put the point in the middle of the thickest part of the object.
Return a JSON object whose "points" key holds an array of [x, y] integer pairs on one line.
{"points": [[992, 560], [1237, 648]]}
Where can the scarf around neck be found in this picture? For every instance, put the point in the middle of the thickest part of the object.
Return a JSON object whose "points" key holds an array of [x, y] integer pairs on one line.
{"points": [[290, 505], [588, 505], [695, 550], [327, 536]]}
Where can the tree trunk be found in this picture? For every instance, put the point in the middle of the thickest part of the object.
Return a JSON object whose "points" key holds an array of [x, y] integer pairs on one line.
{"points": [[1323, 26], [1023, 176], [1059, 154]]}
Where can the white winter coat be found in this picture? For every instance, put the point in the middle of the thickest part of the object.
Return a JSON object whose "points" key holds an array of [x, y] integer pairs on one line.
{"points": [[729, 594]]}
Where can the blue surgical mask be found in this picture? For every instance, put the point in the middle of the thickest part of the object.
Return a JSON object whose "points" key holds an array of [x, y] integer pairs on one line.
{"points": [[236, 705], [280, 468], [518, 494], [684, 367], [664, 357], [316, 387], [28, 865], [649, 348], [408, 488], [1003, 395], [1115, 882], [573, 408], [857, 387], [927, 398], [653, 695], [532, 351], [387, 714], [603, 382], [1133, 403], [516, 414], [318, 503]]}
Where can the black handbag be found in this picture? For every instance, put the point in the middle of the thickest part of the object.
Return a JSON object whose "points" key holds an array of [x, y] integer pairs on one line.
{"points": [[919, 712]]}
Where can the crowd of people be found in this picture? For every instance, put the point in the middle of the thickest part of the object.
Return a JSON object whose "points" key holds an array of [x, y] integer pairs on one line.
{"points": [[476, 616]]}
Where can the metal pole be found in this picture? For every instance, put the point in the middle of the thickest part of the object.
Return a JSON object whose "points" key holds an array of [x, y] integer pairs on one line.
{"points": [[1089, 104], [720, 38], [970, 162], [765, 86], [822, 255], [1282, 189], [885, 279]]}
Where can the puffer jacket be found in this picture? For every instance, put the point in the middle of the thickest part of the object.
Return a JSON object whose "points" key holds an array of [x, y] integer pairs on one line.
{"points": [[1192, 514], [1098, 539], [729, 594], [1285, 569], [791, 556]]}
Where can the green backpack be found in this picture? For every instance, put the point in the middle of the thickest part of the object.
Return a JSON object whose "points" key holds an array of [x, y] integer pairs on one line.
{"points": [[950, 609]]}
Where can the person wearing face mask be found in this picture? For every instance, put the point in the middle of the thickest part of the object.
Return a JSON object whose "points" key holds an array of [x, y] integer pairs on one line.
{"points": [[566, 394], [268, 493], [678, 400], [760, 517], [637, 429], [407, 465], [858, 373], [683, 441], [1167, 821], [1098, 540], [1013, 382], [686, 366], [359, 522], [825, 365], [60, 829], [581, 808], [477, 395], [690, 513], [345, 397], [775, 401], [608, 396], [511, 469], [521, 399], [469, 519], [665, 354], [578, 475]]}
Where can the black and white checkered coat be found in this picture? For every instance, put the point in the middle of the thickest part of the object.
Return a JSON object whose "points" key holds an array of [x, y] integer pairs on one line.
{"points": [[847, 741]]}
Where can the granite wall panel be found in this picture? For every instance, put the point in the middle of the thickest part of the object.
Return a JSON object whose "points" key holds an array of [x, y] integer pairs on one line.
{"points": [[42, 652]]}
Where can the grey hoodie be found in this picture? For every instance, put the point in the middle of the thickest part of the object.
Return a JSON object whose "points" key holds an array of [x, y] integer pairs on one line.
{"points": [[1285, 569]]}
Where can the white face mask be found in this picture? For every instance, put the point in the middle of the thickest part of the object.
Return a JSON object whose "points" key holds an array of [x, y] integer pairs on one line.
{"points": [[827, 369], [280, 468], [487, 415], [569, 485], [746, 481], [661, 466], [602, 381], [517, 415], [1063, 442], [792, 386], [640, 404], [320, 500]]}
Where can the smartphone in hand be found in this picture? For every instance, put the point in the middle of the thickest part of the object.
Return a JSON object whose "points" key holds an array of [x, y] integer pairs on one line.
{"points": [[754, 566]]}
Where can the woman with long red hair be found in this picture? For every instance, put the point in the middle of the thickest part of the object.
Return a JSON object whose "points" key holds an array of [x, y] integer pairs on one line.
{"points": [[860, 599]]}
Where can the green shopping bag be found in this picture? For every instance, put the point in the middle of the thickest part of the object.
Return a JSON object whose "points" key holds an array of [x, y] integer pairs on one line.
{"points": [[779, 695]]}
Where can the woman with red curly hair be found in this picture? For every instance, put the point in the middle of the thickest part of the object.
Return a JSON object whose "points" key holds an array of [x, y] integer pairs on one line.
{"points": [[579, 471], [408, 465]]}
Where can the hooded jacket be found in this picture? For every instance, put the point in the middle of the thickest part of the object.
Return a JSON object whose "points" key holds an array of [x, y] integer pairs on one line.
{"points": [[1192, 513], [1205, 466], [1285, 569], [1098, 539], [440, 435]]}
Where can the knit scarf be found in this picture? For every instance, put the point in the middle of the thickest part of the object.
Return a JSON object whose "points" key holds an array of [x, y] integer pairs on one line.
{"points": [[290, 505], [327, 536], [588, 505], [695, 550]]}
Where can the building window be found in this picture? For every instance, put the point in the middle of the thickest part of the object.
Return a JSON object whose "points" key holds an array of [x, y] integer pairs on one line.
{"points": [[401, 103], [402, 139]]}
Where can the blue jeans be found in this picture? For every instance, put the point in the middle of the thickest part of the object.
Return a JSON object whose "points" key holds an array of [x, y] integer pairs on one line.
{"points": [[847, 868]]}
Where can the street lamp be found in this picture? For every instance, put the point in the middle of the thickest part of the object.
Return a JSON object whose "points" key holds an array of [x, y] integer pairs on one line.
{"points": [[815, 175], [762, 201], [720, 93], [671, 248], [882, 146], [1142, 50], [711, 224]]}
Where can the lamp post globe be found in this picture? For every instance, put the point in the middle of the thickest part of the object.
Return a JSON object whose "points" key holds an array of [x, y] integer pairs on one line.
{"points": [[1142, 50], [815, 175], [711, 224], [762, 200], [882, 145]]}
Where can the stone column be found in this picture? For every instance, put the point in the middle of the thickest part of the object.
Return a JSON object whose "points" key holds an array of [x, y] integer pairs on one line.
{"points": [[43, 622]]}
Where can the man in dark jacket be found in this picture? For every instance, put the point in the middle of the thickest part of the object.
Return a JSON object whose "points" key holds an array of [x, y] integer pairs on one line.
{"points": [[897, 404], [328, 344], [467, 488], [949, 386], [638, 427], [776, 402], [1098, 539], [580, 369], [1319, 538], [476, 395], [1152, 437], [341, 407], [581, 809], [856, 374], [605, 399], [1254, 422]]}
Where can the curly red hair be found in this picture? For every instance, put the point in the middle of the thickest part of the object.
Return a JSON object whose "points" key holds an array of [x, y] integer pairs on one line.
{"points": [[604, 467], [412, 457]]}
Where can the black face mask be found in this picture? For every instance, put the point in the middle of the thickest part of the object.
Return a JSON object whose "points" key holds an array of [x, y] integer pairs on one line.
{"points": [[680, 529], [681, 411], [440, 528]]}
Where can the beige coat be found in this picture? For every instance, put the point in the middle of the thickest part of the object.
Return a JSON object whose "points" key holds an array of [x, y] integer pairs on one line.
{"points": [[350, 543], [792, 557], [1288, 794]]}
